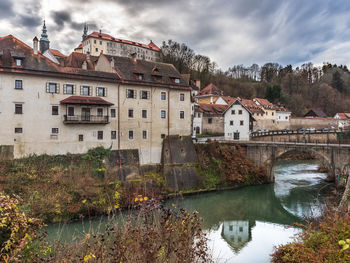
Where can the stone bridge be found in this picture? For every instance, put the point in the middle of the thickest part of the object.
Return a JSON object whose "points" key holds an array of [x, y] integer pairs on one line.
{"points": [[335, 156], [316, 136]]}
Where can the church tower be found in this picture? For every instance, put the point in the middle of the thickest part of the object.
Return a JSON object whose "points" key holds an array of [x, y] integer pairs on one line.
{"points": [[85, 31], [44, 41]]}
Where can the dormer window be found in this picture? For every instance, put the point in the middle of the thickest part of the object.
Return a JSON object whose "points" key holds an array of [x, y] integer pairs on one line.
{"points": [[139, 76], [18, 62], [157, 77], [156, 70], [177, 81]]}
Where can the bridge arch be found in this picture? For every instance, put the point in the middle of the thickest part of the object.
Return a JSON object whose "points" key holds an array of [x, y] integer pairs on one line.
{"points": [[281, 152]]}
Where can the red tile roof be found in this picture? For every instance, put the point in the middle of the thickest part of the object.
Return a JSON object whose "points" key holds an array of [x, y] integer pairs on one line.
{"points": [[264, 102], [104, 36], [212, 108], [85, 101], [211, 89], [228, 99], [252, 106], [343, 115], [57, 53]]}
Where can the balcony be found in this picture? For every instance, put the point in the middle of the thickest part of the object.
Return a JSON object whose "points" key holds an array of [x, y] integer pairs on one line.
{"points": [[86, 119]]}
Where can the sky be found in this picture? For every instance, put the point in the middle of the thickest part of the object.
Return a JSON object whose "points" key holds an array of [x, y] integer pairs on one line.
{"points": [[230, 32]]}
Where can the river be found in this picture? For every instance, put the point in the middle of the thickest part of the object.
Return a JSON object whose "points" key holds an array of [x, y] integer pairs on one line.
{"points": [[244, 225]]}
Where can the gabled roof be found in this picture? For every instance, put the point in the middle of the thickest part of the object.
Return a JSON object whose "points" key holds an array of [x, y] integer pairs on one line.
{"points": [[238, 101], [211, 89], [86, 101], [343, 115], [315, 113], [104, 36], [215, 109], [264, 102], [252, 106], [41, 65], [57, 53]]}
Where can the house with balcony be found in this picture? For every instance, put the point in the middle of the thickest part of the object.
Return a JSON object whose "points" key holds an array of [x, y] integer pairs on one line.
{"points": [[87, 101]]}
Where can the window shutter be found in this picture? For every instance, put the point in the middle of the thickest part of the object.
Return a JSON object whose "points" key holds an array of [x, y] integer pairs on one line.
{"points": [[47, 87], [57, 88], [74, 89], [90, 91], [105, 89], [64, 89], [97, 92], [127, 93], [148, 95], [81, 90], [135, 93]]}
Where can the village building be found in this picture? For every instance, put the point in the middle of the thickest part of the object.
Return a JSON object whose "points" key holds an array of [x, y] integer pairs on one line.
{"points": [[315, 113], [343, 119], [282, 113], [267, 107], [238, 122], [87, 101], [209, 94], [212, 116], [98, 43]]}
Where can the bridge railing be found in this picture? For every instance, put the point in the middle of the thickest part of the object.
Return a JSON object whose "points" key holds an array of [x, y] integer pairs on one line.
{"points": [[286, 132]]}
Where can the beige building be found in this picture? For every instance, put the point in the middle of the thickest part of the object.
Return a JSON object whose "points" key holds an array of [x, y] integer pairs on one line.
{"points": [[97, 43], [87, 101]]}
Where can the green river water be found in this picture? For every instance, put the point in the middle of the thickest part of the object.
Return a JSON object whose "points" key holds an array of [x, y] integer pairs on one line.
{"points": [[244, 225]]}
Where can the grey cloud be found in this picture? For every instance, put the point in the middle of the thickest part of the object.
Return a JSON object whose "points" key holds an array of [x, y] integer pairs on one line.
{"points": [[6, 9]]}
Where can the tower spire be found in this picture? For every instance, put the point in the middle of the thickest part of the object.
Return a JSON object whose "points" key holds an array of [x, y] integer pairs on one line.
{"points": [[44, 40], [86, 28]]}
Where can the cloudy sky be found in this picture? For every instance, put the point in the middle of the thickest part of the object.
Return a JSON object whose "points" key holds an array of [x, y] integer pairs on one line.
{"points": [[230, 32]]}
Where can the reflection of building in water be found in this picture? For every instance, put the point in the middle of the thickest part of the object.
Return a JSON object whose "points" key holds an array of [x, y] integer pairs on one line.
{"points": [[237, 233]]}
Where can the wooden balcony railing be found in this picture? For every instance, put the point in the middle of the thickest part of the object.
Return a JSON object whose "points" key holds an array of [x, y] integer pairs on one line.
{"points": [[86, 119]]}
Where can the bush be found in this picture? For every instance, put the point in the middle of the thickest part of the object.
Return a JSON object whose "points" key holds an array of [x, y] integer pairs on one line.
{"points": [[322, 241]]}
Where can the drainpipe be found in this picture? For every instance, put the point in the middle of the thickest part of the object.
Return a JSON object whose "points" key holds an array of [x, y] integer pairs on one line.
{"points": [[171, 154], [120, 160]]}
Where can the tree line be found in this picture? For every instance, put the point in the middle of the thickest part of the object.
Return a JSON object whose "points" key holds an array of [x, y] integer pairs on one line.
{"points": [[325, 87]]}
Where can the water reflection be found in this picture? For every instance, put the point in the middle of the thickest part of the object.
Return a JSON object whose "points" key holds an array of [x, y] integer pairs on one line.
{"points": [[244, 225]]}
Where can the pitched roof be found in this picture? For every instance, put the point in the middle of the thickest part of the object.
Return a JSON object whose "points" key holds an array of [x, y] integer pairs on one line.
{"points": [[264, 102], [252, 106], [10, 47], [57, 53], [85, 101], [315, 113], [216, 109], [211, 89], [104, 36], [343, 115], [153, 73]]}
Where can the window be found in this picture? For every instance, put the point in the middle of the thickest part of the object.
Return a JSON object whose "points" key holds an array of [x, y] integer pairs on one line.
{"points": [[19, 130], [113, 113], [68, 89], [162, 114], [94, 41], [101, 92], [144, 94], [240, 112], [131, 135], [177, 81], [113, 135], [81, 137], [182, 97], [144, 114], [233, 112], [96, 49], [99, 135], [139, 76], [231, 123], [99, 112], [210, 120], [162, 136], [52, 87], [18, 108], [18, 84], [241, 123], [70, 111], [163, 95], [85, 90], [272, 113], [131, 94], [100, 42], [131, 113], [182, 114], [54, 110], [54, 130], [18, 62], [144, 135]]}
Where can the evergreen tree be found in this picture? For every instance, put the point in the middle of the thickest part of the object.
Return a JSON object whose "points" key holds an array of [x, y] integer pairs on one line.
{"points": [[337, 81]]}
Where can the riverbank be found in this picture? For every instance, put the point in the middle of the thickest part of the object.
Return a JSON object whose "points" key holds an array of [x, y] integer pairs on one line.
{"points": [[67, 187]]}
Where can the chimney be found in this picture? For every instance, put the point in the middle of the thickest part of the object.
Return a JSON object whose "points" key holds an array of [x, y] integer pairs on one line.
{"points": [[198, 83], [112, 63], [35, 45], [88, 56], [133, 56], [84, 65]]}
